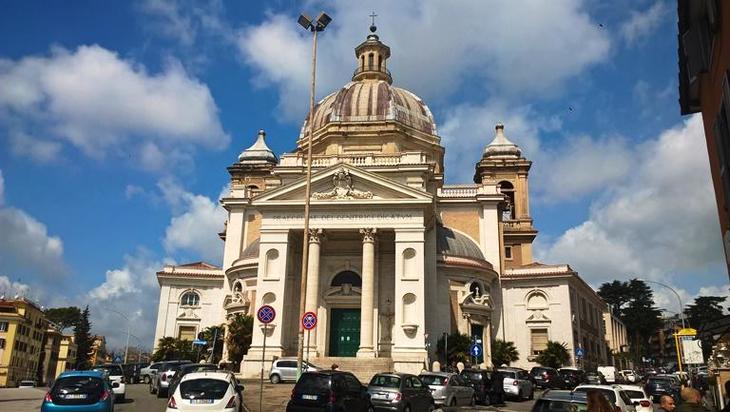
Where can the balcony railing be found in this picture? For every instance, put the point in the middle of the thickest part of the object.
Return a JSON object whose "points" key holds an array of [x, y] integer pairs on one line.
{"points": [[409, 158], [371, 69]]}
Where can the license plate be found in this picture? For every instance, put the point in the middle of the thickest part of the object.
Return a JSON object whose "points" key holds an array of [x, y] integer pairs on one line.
{"points": [[200, 401], [76, 396], [380, 396], [310, 397]]}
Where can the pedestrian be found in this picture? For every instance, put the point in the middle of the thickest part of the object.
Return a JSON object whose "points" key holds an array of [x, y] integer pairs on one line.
{"points": [[666, 404], [335, 367], [692, 401], [497, 388], [597, 402]]}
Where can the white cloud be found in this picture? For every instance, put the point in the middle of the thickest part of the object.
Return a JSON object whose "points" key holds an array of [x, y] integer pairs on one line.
{"points": [[196, 222], [39, 150], [132, 190], [641, 24], [546, 44], [25, 245], [661, 222], [2, 188], [101, 104], [8, 288], [185, 21]]}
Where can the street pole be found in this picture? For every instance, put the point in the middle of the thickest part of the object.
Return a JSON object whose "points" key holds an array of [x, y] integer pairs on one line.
{"points": [[681, 306], [126, 347]]}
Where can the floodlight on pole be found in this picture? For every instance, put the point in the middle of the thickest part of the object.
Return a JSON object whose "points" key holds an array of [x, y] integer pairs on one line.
{"points": [[314, 26], [681, 306]]}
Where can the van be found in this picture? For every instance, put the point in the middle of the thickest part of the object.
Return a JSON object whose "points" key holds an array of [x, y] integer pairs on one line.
{"points": [[609, 373]]}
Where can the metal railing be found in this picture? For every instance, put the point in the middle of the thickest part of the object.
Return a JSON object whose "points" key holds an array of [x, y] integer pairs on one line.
{"points": [[371, 68]]}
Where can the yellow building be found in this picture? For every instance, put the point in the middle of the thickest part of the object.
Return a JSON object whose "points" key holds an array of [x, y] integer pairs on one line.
{"points": [[98, 353], [66, 354], [22, 325], [49, 355]]}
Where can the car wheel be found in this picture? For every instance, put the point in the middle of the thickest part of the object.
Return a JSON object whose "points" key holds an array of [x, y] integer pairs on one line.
{"points": [[159, 393], [146, 379], [453, 401], [519, 395], [473, 400], [486, 401], [431, 408], [121, 399], [275, 379], [370, 408], [407, 408], [532, 394]]}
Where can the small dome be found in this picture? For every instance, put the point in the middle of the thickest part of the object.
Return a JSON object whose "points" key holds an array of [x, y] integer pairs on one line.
{"points": [[501, 147], [252, 250], [456, 244], [258, 153], [372, 100]]}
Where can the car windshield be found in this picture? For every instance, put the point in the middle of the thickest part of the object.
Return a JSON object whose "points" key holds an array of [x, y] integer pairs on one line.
{"points": [[203, 389], [608, 393], [113, 370], [473, 376], [635, 394], [385, 381], [436, 380], [661, 381], [312, 382], [545, 405], [198, 368], [569, 372], [508, 374]]}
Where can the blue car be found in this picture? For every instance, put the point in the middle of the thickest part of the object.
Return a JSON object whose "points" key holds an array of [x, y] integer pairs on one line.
{"points": [[80, 391]]}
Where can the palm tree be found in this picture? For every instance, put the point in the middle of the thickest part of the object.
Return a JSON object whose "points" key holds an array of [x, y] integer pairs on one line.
{"points": [[210, 334], [504, 352], [166, 348], [555, 355], [240, 333]]}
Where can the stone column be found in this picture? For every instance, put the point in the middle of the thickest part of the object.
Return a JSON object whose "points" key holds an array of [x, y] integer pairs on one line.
{"points": [[312, 297], [368, 294]]}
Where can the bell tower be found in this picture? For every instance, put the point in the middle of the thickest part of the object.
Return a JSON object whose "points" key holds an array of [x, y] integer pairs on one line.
{"points": [[502, 164]]}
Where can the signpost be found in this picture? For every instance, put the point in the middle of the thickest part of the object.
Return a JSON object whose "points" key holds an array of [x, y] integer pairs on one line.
{"points": [[476, 351], [266, 314], [682, 335], [580, 352], [309, 322]]}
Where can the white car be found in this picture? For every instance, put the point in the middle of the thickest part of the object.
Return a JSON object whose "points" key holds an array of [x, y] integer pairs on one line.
{"points": [[517, 383], [115, 374], [638, 398], [614, 393], [207, 391], [629, 375]]}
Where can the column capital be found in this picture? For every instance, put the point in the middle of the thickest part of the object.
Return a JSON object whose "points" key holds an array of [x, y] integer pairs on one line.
{"points": [[316, 235], [368, 234]]}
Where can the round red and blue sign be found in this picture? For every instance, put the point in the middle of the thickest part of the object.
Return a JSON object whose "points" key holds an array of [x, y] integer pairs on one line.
{"points": [[266, 314], [309, 320]]}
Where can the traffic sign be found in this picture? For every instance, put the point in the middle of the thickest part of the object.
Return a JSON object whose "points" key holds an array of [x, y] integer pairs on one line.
{"points": [[118, 359], [309, 320], [200, 342], [475, 350], [580, 352], [266, 314]]}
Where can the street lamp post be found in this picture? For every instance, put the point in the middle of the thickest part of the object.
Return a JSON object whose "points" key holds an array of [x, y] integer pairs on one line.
{"points": [[126, 347], [315, 26], [681, 306]]}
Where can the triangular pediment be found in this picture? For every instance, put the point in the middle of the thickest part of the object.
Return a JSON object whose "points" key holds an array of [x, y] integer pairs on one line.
{"points": [[344, 183]]}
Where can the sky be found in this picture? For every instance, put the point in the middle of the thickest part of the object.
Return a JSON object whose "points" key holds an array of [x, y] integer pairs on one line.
{"points": [[118, 120]]}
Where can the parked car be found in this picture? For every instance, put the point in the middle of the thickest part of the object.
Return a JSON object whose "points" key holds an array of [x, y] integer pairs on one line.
{"points": [[285, 369], [80, 390], [208, 391], [115, 374], [26, 383], [186, 368], [561, 400], [399, 392], [638, 397], [629, 376], [160, 381], [546, 378], [619, 398], [595, 378], [448, 389], [572, 377], [517, 383], [659, 385], [146, 373], [132, 372], [329, 390], [487, 385], [609, 373]]}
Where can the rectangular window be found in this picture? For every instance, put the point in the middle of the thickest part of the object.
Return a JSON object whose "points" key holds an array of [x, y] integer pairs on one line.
{"points": [[3, 326], [538, 340], [508, 252], [186, 333], [2, 343]]}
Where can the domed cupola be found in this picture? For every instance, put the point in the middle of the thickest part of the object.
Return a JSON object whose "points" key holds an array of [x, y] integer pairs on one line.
{"points": [[372, 56], [501, 147], [259, 153]]}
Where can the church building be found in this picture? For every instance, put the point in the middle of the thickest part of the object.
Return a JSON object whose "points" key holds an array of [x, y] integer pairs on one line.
{"points": [[396, 257]]}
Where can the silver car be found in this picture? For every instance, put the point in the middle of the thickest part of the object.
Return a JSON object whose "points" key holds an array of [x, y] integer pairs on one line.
{"points": [[285, 369], [448, 389], [517, 383]]}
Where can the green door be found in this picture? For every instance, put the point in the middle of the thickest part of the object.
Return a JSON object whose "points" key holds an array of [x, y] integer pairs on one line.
{"points": [[344, 332]]}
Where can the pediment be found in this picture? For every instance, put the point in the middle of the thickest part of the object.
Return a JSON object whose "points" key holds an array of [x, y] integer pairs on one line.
{"points": [[188, 314], [538, 316], [344, 183]]}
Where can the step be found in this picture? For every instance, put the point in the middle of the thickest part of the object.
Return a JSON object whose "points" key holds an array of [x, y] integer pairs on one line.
{"points": [[363, 368]]}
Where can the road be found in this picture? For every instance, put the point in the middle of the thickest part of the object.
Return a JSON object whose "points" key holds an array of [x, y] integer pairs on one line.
{"points": [[139, 399]]}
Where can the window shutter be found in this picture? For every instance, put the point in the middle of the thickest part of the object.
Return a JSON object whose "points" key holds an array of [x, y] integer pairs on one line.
{"points": [[539, 340]]}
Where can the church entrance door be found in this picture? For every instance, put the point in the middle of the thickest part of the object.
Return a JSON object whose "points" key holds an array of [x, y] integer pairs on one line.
{"points": [[344, 332]]}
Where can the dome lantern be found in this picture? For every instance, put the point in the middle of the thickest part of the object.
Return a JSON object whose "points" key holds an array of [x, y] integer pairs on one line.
{"points": [[258, 153], [372, 56], [501, 147]]}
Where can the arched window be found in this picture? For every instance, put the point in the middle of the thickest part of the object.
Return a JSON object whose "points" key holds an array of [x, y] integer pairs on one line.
{"points": [[190, 299], [508, 189], [237, 287], [371, 61], [347, 276]]}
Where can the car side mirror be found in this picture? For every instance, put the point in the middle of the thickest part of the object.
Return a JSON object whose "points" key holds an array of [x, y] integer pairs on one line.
{"points": [[239, 387], [115, 384], [636, 403]]}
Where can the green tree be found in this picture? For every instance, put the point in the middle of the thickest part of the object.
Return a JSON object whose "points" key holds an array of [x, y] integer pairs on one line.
{"points": [[83, 340], [169, 348], [504, 352], [555, 355], [240, 333], [704, 310], [210, 334], [65, 317], [458, 347]]}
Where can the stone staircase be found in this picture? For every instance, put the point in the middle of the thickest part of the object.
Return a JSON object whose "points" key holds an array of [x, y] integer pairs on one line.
{"points": [[363, 368]]}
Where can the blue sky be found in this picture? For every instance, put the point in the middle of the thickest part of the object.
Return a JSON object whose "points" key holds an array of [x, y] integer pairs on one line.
{"points": [[117, 121]]}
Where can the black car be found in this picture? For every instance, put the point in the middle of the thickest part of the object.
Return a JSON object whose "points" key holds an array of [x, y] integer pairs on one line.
{"points": [[546, 378], [399, 392], [572, 377], [595, 378], [656, 386], [488, 385], [560, 400], [329, 391], [184, 369], [131, 372]]}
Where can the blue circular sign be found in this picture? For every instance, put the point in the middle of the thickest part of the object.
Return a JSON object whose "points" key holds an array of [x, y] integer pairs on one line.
{"points": [[309, 320], [475, 350], [580, 352], [266, 314]]}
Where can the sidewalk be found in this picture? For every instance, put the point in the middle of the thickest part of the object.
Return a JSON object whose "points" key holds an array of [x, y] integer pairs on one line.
{"points": [[274, 399]]}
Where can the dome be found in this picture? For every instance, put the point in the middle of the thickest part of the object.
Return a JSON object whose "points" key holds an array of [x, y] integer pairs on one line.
{"points": [[501, 147], [452, 243], [372, 100], [252, 250], [258, 153]]}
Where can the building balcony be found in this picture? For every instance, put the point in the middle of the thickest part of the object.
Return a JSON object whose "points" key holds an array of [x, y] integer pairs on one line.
{"points": [[369, 159]]}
